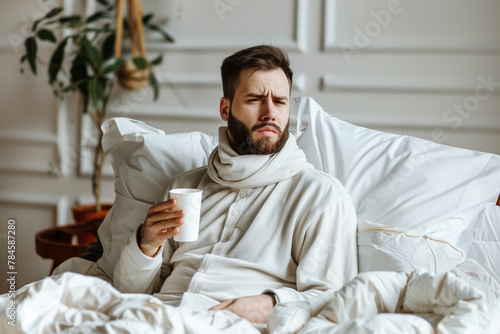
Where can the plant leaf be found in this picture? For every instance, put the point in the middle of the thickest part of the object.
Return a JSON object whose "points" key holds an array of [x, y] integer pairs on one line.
{"points": [[79, 77], [96, 93], [108, 47], [23, 58], [157, 60], [46, 35], [98, 15], [165, 35], [53, 12], [146, 18], [140, 63], [111, 65], [70, 19], [85, 101], [90, 52], [155, 85], [56, 61], [69, 88], [98, 30], [31, 49], [49, 15], [103, 2]]}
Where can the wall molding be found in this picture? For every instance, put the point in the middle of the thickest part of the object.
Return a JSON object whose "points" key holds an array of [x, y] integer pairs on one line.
{"points": [[214, 80], [298, 43], [5, 44], [185, 113], [60, 203], [32, 139], [24, 167], [396, 125], [331, 41], [58, 141], [331, 83], [28, 137]]}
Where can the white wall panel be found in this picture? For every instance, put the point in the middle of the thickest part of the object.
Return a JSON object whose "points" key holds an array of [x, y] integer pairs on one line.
{"points": [[203, 25], [414, 67], [412, 26]]}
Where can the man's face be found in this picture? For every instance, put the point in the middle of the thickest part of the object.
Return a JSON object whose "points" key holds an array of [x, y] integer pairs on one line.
{"points": [[258, 117]]}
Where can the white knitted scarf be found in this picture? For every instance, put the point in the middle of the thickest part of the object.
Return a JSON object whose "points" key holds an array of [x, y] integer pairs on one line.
{"points": [[230, 169]]}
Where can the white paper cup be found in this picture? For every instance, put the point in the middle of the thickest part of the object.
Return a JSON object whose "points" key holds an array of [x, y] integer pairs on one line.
{"points": [[188, 200]]}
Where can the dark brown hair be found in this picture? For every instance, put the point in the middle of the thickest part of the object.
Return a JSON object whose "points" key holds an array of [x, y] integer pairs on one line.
{"points": [[260, 57]]}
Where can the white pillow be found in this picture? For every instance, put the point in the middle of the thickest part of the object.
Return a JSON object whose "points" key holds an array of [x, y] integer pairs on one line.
{"points": [[389, 248], [143, 159], [400, 180]]}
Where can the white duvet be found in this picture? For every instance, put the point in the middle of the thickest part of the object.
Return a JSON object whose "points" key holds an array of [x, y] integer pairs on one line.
{"points": [[374, 302], [396, 302], [74, 303]]}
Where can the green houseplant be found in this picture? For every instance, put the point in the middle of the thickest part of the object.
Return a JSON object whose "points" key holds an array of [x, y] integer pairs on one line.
{"points": [[86, 61]]}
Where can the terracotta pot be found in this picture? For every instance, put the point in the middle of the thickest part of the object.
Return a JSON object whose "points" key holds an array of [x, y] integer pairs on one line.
{"points": [[83, 213], [63, 242]]}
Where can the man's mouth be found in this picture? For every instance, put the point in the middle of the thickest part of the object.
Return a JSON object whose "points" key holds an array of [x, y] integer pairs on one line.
{"points": [[268, 129]]}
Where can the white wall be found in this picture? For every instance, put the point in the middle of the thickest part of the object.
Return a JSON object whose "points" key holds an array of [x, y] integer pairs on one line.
{"points": [[410, 67]]}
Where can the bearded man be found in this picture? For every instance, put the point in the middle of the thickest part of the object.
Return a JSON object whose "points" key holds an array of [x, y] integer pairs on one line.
{"points": [[273, 229]]}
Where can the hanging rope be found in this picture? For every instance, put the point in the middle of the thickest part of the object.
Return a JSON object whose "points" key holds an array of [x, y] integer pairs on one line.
{"points": [[129, 76]]}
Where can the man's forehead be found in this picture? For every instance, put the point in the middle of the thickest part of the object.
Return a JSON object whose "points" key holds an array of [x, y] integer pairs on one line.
{"points": [[259, 81]]}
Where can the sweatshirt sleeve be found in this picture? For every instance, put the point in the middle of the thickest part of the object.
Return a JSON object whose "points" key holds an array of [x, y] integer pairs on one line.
{"points": [[327, 256], [136, 272]]}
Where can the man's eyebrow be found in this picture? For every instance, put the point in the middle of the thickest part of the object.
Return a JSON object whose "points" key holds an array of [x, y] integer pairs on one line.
{"points": [[260, 96]]}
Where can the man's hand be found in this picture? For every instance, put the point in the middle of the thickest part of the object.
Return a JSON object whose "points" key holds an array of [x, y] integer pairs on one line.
{"points": [[162, 223], [255, 309]]}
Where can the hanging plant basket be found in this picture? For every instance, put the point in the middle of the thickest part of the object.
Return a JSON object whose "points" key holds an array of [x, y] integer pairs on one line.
{"points": [[135, 73]]}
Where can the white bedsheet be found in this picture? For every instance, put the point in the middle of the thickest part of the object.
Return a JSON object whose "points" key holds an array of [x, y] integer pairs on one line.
{"points": [[374, 302]]}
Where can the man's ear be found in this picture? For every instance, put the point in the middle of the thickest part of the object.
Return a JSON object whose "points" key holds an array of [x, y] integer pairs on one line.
{"points": [[224, 107]]}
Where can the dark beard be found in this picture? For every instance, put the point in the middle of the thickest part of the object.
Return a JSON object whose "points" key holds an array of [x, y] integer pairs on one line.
{"points": [[245, 144]]}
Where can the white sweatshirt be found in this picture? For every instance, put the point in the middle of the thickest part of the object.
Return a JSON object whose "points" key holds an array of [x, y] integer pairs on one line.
{"points": [[268, 223]]}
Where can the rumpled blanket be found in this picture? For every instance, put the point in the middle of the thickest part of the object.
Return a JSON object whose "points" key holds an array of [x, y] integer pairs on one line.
{"points": [[74, 303], [373, 302], [395, 302]]}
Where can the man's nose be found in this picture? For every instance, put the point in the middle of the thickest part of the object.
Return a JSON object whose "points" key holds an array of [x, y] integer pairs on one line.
{"points": [[268, 110]]}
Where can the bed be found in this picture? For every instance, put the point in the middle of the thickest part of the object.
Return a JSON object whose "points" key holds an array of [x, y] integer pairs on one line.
{"points": [[428, 239]]}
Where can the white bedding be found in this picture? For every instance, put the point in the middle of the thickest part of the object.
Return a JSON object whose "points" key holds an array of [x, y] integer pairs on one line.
{"points": [[74, 303], [396, 302], [374, 302]]}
